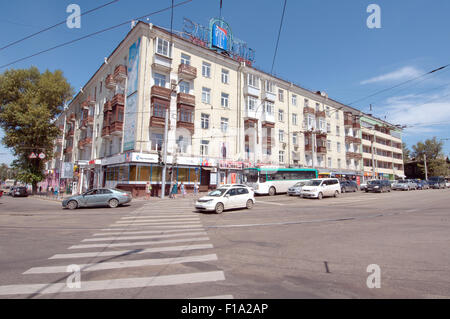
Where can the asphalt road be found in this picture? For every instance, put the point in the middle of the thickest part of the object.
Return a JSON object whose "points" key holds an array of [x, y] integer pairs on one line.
{"points": [[285, 247]]}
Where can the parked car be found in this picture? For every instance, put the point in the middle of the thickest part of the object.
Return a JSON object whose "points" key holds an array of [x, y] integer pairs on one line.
{"points": [[414, 184], [421, 184], [363, 186], [111, 197], [348, 186], [378, 185], [11, 190], [447, 184], [404, 185], [237, 185], [321, 187], [296, 190], [437, 182], [1, 193], [226, 198], [19, 191]]}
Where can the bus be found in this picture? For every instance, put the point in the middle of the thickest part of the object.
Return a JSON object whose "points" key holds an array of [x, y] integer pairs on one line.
{"points": [[273, 181]]}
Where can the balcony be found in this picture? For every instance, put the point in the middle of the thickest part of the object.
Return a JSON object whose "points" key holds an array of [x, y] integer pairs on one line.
{"points": [[308, 148], [321, 149], [187, 72], [353, 155], [356, 125], [187, 99], [118, 99], [161, 92], [116, 128], [320, 114], [72, 117], [156, 121], [269, 96], [110, 83], [106, 132], [68, 150], [86, 141], [162, 63], [120, 73], [268, 118], [107, 107], [87, 122], [70, 133], [250, 90], [309, 110]]}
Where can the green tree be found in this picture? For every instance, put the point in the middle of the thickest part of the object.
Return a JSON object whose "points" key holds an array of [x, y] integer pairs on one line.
{"points": [[433, 149], [406, 153], [29, 103]]}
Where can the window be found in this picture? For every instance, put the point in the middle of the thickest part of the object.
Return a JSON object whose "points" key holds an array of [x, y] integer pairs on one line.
{"points": [[329, 161], [294, 139], [205, 121], [224, 99], [327, 111], [281, 156], [182, 144], [317, 107], [251, 103], [328, 145], [281, 95], [337, 115], [185, 59], [225, 74], [328, 128], [322, 124], [281, 135], [253, 80], [294, 99], [269, 86], [159, 110], [206, 70], [269, 108], [160, 79], [338, 145], [306, 102], [204, 148], [185, 115], [280, 115], [339, 163], [206, 95], [224, 124], [294, 119], [163, 47], [338, 130], [185, 87]]}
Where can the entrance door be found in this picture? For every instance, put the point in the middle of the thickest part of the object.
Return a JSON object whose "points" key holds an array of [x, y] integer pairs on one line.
{"points": [[205, 178]]}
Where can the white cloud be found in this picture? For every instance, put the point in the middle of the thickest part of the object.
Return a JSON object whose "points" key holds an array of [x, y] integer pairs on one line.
{"points": [[405, 73]]}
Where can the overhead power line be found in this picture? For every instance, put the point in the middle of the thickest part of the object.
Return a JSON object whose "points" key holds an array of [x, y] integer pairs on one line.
{"points": [[56, 25], [93, 34], [278, 40], [400, 84]]}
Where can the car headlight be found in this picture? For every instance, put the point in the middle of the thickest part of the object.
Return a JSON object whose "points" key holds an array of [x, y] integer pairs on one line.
{"points": [[377, 187]]}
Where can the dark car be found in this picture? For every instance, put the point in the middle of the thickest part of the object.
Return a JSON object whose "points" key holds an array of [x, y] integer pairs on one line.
{"points": [[378, 186], [421, 184], [348, 186], [111, 197], [437, 182], [19, 192]]}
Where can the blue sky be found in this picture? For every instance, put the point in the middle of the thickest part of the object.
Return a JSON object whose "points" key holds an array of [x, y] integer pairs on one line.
{"points": [[325, 45]]}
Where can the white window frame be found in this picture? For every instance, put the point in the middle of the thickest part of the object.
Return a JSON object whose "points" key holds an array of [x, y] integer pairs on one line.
{"points": [[224, 124], [204, 148], [205, 121], [185, 59], [294, 99], [280, 115], [281, 156], [294, 118], [281, 136], [206, 69], [158, 77], [225, 100], [225, 76], [253, 80], [206, 95], [163, 47], [251, 103], [281, 95]]}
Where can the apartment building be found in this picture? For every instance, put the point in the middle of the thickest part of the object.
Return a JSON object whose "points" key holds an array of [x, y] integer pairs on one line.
{"points": [[222, 115]]}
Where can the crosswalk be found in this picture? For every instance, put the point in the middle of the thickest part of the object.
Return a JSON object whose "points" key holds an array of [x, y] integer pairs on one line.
{"points": [[141, 250]]}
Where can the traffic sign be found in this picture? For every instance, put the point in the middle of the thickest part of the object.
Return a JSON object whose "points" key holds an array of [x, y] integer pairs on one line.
{"points": [[42, 156], [33, 155]]}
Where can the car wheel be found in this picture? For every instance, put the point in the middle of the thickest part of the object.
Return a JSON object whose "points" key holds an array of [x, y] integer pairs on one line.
{"points": [[366, 191], [272, 191], [249, 204], [343, 190], [219, 208], [113, 203], [72, 205], [336, 193], [320, 196]]}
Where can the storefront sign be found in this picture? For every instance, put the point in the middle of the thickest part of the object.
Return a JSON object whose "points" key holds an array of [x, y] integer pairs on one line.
{"points": [[67, 171], [230, 165]]}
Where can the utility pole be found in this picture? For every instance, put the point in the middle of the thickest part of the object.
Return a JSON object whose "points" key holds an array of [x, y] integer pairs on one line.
{"points": [[166, 128], [313, 147], [373, 157], [61, 158], [425, 162]]}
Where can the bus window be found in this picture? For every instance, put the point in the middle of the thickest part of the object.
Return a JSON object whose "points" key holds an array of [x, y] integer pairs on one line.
{"points": [[251, 176]]}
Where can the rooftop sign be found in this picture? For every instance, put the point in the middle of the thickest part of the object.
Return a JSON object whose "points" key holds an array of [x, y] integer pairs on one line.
{"points": [[219, 37]]}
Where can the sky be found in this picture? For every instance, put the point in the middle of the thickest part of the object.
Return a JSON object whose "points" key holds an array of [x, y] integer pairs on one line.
{"points": [[324, 45]]}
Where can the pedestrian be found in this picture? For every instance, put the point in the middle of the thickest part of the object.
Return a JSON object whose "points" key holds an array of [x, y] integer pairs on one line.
{"points": [[174, 190], [183, 189], [149, 190], [40, 189], [52, 191], [195, 187]]}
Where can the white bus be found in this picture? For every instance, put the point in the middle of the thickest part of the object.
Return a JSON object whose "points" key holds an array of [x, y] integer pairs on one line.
{"points": [[273, 181]]}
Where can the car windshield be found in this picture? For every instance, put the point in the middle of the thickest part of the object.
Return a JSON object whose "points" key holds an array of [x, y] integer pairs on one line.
{"points": [[402, 182], [299, 184], [218, 192], [373, 182], [313, 182]]}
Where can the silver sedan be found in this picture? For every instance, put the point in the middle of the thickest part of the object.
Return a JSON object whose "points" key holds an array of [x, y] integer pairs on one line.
{"points": [[98, 197]]}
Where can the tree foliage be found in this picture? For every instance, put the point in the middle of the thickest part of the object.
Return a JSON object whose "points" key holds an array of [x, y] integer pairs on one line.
{"points": [[406, 153], [433, 150], [29, 103]]}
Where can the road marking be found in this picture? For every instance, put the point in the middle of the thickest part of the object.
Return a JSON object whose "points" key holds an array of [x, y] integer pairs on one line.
{"points": [[140, 243], [272, 203], [123, 264], [162, 216], [158, 220], [140, 227], [160, 226], [156, 224], [111, 284], [143, 237], [130, 252], [149, 232]]}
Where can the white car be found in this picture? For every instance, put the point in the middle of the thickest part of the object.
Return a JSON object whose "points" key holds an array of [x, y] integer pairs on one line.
{"points": [[321, 187], [226, 198]]}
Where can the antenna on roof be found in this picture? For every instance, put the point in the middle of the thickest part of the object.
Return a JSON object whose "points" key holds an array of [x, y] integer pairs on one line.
{"points": [[106, 60]]}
